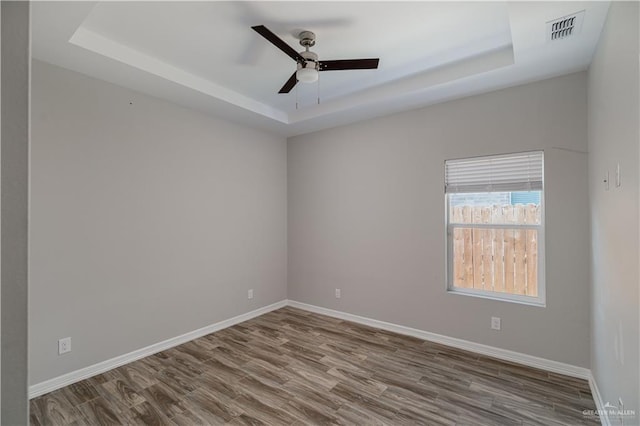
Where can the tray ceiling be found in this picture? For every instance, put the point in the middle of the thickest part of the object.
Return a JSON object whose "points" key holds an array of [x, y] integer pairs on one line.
{"points": [[205, 55]]}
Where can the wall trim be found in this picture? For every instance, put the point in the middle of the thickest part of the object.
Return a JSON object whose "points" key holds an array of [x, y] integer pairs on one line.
{"points": [[597, 398], [503, 354], [95, 369]]}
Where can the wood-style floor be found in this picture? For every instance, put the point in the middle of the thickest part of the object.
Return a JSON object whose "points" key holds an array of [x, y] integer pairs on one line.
{"points": [[294, 367]]}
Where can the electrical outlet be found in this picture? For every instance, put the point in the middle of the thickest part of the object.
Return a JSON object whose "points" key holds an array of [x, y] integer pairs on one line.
{"points": [[338, 293], [64, 345], [495, 323], [250, 294], [618, 183]]}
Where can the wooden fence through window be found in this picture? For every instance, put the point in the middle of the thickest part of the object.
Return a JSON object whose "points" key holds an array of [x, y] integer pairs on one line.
{"points": [[496, 259]]}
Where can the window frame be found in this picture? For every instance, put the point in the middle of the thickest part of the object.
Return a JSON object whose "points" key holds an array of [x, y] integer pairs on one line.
{"points": [[540, 299]]}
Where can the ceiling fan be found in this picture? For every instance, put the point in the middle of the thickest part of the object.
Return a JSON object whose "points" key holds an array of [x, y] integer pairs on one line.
{"points": [[307, 61]]}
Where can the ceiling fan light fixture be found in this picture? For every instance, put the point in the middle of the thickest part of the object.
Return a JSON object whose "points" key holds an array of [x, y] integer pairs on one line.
{"points": [[307, 73]]}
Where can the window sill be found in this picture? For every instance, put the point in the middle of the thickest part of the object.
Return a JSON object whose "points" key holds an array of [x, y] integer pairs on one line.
{"points": [[500, 297]]}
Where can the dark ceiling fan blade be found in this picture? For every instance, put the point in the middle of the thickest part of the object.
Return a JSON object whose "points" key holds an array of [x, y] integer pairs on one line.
{"points": [[289, 84], [278, 42], [349, 64]]}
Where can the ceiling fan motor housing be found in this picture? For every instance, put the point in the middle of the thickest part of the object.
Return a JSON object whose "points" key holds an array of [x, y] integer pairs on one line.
{"points": [[307, 39], [311, 60]]}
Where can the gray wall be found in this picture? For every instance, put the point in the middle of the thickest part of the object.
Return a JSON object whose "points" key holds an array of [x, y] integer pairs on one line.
{"points": [[366, 214], [614, 138], [148, 220], [15, 186]]}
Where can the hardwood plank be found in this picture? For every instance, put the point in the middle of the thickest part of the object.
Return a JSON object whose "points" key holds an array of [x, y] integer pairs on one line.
{"points": [[177, 381], [139, 375], [310, 393], [55, 408], [148, 414], [246, 420], [310, 412], [268, 395], [99, 412], [263, 412], [188, 418], [267, 373], [124, 393], [211, 407], [358, 380], [164, 398], [354, 415], [417, 416], [365, 401]]}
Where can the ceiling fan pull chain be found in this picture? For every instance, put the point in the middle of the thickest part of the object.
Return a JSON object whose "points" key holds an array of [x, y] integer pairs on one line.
{"points": [[318, 89], [296, 97]]}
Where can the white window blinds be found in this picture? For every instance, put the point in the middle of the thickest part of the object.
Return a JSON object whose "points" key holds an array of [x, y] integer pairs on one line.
{"points": [[497, 173]]}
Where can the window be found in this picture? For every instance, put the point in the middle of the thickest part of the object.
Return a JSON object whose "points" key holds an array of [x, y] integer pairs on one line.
{"points": [[495, 226]]}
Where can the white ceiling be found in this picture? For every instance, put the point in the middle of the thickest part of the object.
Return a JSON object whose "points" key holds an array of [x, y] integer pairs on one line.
{"points": [[205, 54]]}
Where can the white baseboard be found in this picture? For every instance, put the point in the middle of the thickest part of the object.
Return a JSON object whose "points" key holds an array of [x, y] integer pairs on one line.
{"points": [[92, 370], [503, 354], [597, 398]]}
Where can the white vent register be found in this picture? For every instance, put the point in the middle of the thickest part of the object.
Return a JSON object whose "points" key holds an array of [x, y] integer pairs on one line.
{"points": [[565, 27]]}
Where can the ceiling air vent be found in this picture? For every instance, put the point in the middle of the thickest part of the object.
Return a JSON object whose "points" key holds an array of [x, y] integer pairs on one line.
{"points": [[565, 27]]}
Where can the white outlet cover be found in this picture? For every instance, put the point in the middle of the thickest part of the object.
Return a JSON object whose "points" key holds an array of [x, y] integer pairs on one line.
{"points": [[338, 293], [495, 323], [250, 294], [64, 345]]}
